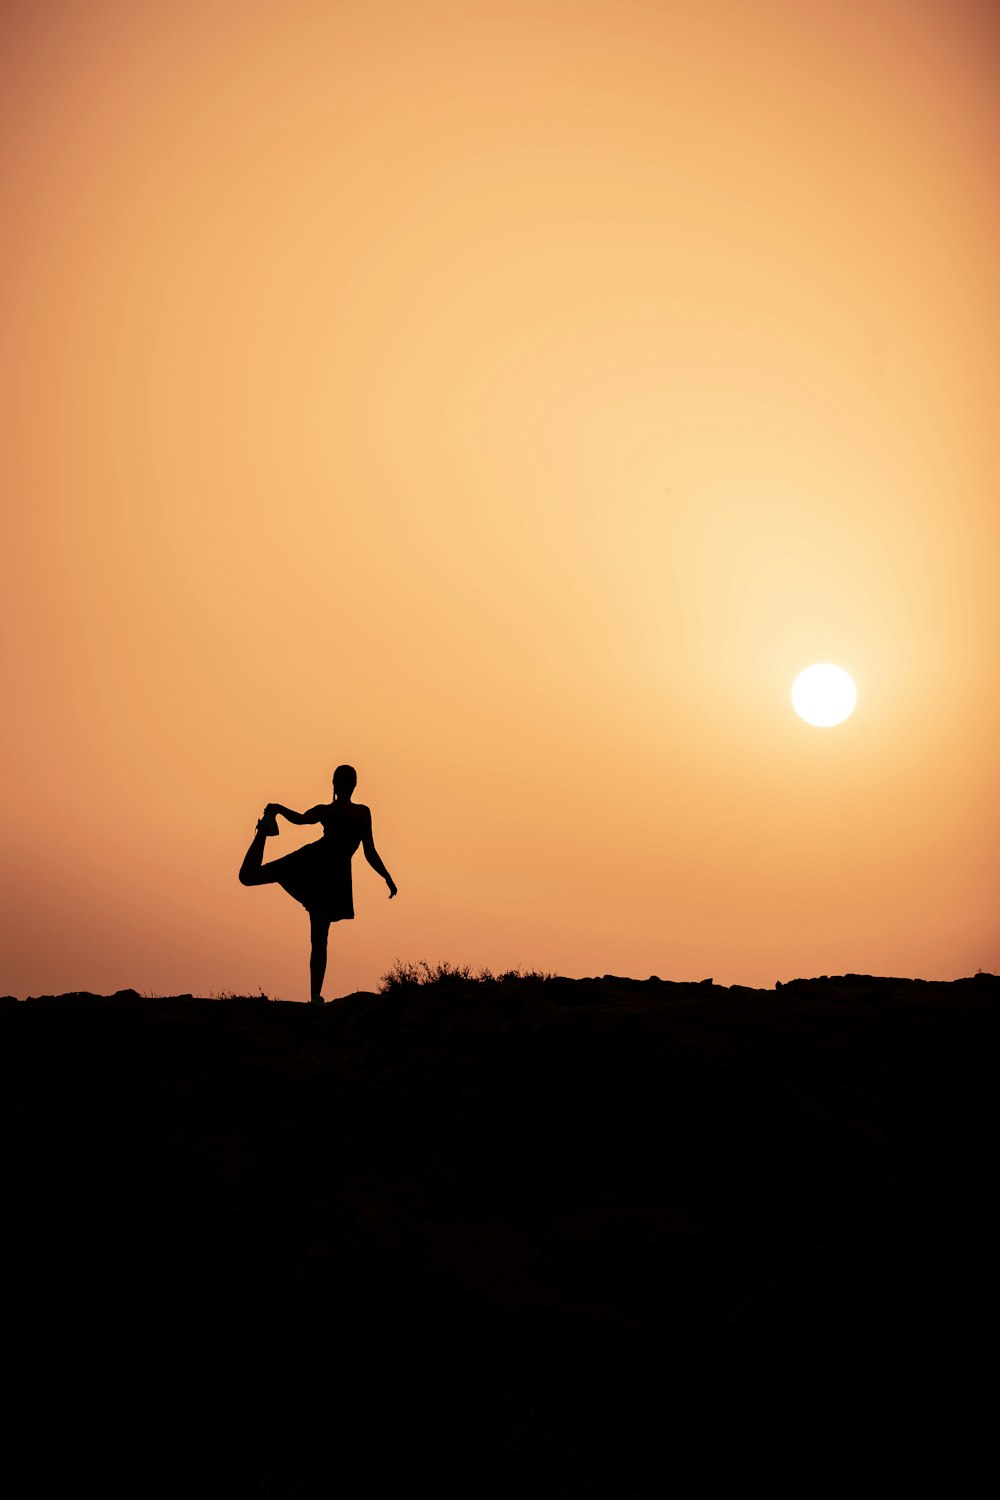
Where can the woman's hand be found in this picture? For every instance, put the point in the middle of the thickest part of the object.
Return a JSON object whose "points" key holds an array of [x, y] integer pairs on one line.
{"points": [[392, 887]]}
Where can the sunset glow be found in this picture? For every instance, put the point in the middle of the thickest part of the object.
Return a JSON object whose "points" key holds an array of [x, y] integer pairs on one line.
{"points": [[508, 400]]}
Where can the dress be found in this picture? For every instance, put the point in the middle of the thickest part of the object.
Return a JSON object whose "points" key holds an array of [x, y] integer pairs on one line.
{"points": [[319, 874]]}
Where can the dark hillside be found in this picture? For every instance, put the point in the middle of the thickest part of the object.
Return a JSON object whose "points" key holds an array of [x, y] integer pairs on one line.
{"points": [[533, 1236]]}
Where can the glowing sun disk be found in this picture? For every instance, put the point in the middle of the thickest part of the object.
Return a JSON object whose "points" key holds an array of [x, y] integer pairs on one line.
{"points": [[824, 695]]}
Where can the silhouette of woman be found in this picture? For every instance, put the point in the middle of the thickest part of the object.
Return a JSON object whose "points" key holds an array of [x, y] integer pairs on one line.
{"points": [[319, 875]]}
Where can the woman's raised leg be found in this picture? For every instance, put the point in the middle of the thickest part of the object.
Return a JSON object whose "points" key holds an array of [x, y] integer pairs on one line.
{"points": [[319, 931], [253, 871]]}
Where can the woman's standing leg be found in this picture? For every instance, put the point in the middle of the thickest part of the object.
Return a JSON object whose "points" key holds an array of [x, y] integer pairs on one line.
{"points": [[319, 929]]}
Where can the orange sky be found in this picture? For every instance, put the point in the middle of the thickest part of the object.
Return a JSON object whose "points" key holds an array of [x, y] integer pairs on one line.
{"points": [[509, 399]]}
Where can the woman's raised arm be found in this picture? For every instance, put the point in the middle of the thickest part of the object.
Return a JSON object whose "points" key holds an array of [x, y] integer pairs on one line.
{"points": [[312, 816]]}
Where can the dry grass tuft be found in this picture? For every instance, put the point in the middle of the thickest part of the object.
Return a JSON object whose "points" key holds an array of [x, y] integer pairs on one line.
{"points": [[418, 975]]}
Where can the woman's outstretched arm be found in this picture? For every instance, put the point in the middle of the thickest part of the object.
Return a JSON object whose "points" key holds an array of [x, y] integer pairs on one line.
{"points": [[312, 816], [372, 856]]}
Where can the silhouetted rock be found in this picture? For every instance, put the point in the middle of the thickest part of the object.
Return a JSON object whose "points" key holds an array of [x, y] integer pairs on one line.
{"points": [[561, 1237]]}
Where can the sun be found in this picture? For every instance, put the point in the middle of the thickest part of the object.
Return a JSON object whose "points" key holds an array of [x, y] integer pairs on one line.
{"points": [[824, 695]]}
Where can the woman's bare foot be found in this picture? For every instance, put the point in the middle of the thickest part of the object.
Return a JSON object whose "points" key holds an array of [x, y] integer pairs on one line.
{"points": [[267, 824]]}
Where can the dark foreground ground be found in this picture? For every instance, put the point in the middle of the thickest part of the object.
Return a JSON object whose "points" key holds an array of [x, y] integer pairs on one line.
{"points": [[569, 1238]]}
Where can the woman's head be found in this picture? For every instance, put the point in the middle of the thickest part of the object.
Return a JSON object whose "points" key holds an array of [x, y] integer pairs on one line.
{"points": [[345, 779]]}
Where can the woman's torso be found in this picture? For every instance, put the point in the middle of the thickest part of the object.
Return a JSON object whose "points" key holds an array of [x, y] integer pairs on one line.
{"points": [[343, 826]]}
